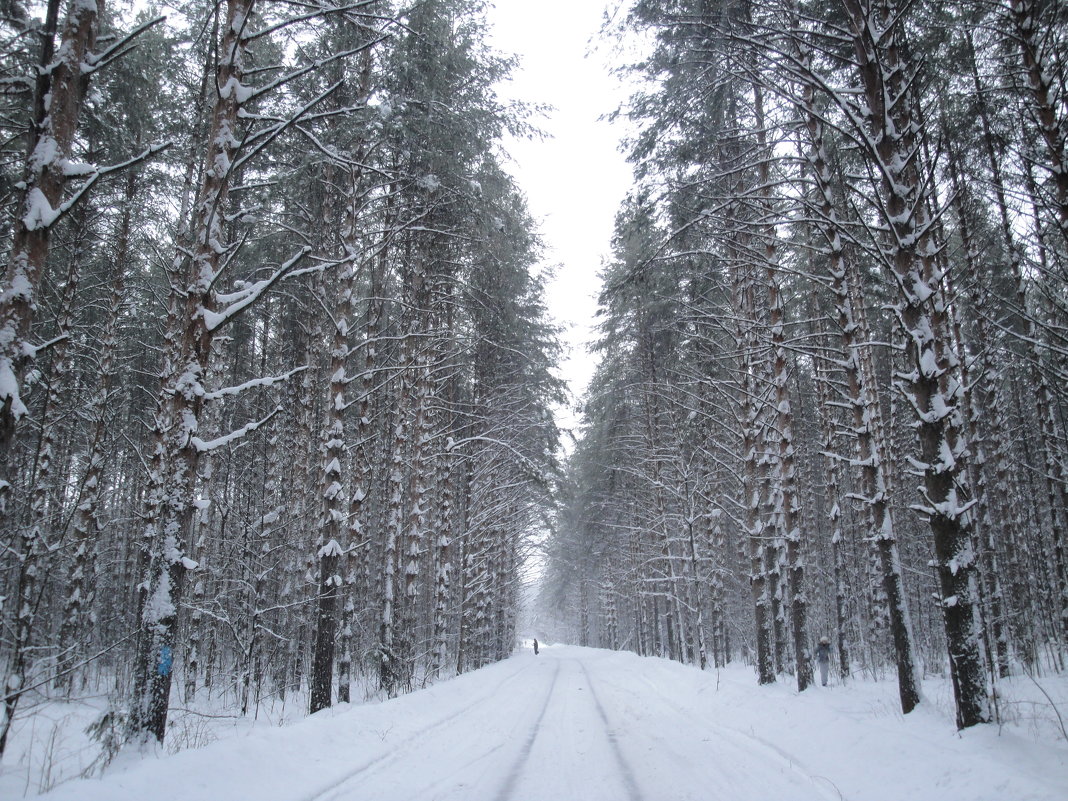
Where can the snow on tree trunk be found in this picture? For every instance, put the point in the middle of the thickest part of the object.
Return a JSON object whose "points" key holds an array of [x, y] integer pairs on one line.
{"points": [[992, 414], [332, 526], [787, 501], [699, 625], [466, 560], [866, 414], [755, 480], [60, 89], [985, 420], [86, 526], [669, 584], [931, 386], [1027, 30], [445, 533], [34, 545], [389, 641], [415, 534], [835, 498], [171, 514], [361, 487], [721, 653], [58, 100]]}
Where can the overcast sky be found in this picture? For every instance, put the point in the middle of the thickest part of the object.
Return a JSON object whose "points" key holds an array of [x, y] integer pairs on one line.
{"points": [[576, 179]]}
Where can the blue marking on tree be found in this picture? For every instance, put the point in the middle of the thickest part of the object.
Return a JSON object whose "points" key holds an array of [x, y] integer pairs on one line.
{"points": [[165, 660]]}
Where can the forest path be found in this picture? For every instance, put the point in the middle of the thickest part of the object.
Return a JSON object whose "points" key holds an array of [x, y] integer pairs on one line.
{"points": [[575, 726], [569, 724], [581, 724]]}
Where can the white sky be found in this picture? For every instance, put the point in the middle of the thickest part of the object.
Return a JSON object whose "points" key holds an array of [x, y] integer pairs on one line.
{"points": [[575, 180]]}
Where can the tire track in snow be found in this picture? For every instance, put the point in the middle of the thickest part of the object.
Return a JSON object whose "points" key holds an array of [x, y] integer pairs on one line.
{"points": [[720, 731], [524, 753], [398, 749], [627, 775]]}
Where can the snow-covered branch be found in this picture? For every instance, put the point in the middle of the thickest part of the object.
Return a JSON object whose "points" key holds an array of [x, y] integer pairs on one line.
{"points": [[237, 389], [246, 296], [205, 446], [97, 61]]}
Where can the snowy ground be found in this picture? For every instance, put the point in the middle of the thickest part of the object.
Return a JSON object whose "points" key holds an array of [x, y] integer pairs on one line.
{"points": [[577, 723]]}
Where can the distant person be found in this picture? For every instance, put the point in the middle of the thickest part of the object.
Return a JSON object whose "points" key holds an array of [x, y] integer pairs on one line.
{"points": [[535, 647], [823, 657]]}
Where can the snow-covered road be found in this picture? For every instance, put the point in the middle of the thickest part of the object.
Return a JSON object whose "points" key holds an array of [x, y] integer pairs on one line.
{"points": [[541, 732], [561, 727], [594, 725]]}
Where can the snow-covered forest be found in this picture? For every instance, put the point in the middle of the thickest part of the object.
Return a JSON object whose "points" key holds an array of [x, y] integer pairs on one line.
{"points": [[834, 353], [275, 366], [278, 382]]}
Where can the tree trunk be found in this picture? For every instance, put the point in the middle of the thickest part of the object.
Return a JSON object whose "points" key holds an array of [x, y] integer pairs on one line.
{"points": [[932, 386], [58, 100], [57, 106], [1028, 31], [171, 508]]}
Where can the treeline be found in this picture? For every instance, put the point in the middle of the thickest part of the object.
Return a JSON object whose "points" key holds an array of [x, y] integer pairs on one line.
{"points": [[834, 365], [274, 362]]}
